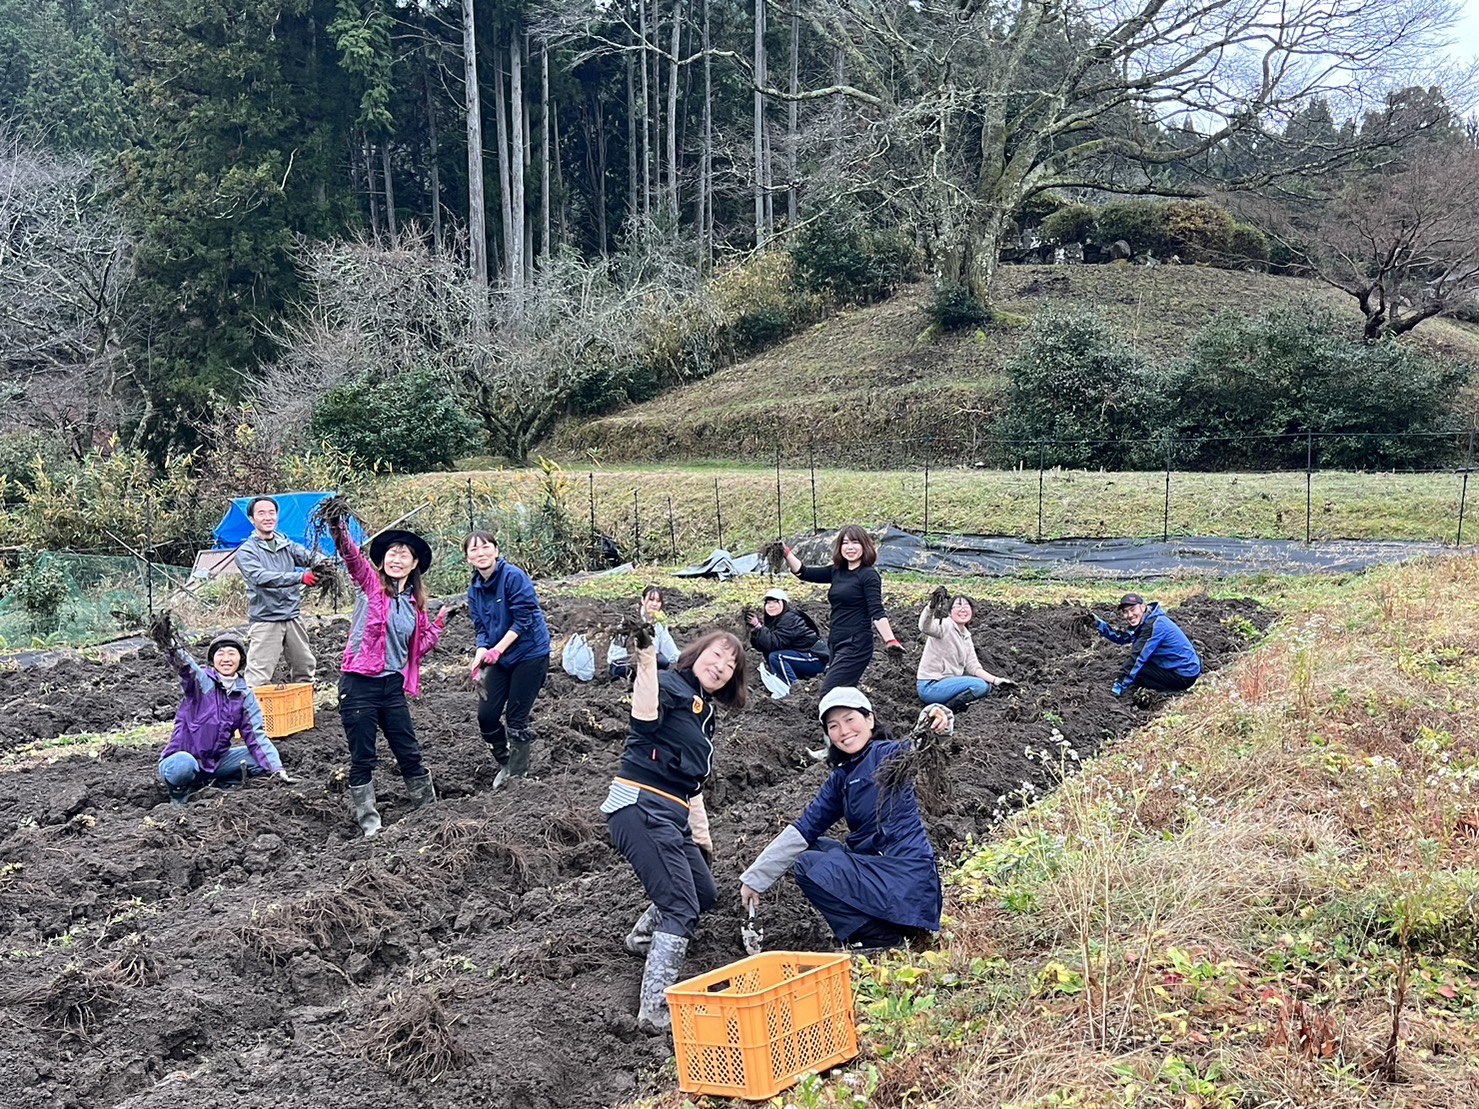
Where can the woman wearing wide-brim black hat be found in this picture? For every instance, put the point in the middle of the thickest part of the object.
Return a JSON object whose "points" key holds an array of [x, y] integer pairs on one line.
{"points": [[388, 636], [418, 547]]}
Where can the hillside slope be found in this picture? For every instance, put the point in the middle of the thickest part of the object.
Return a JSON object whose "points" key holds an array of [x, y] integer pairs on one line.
{"points": [[872, 387]]}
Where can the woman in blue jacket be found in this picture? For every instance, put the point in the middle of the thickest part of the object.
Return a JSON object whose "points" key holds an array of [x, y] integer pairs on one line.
{"points": [[883, 884], [512, 658]]}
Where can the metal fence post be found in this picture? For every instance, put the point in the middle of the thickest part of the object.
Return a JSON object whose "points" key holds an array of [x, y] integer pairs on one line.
{"points": [[811, 462], [1463, 497], [1166, 517], [1309, 475], [636, 527], [591, 479], [470, 526], [926, 502], [672, 530], [778, 492], [1041, 458], [718, 515]]}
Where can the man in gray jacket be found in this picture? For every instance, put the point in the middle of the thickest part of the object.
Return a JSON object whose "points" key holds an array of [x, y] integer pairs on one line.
{"points": [[275, 570]]}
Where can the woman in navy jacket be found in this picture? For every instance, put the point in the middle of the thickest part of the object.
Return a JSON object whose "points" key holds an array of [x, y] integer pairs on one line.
{"points": [[883, 884], [512, 659], [650, 808]]}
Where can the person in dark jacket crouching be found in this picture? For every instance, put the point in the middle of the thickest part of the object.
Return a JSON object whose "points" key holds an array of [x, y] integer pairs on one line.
{"points": [[883, 884], [217, 705], [790, 640], [1163, 659], [654, 811]]}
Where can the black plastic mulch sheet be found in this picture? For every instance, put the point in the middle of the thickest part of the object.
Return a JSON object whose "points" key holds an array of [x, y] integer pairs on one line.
{"points": [[993, 556]]}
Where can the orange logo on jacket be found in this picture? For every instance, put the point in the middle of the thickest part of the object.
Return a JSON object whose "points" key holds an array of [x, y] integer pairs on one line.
{"points": [[698, 705]]}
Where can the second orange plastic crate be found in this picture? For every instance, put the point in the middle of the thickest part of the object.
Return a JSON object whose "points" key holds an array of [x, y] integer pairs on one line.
{"points": [[286, 708], [753, 1028]]}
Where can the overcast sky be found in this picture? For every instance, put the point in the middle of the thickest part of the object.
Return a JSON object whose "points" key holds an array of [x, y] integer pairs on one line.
{"points": [[1466, 34]]}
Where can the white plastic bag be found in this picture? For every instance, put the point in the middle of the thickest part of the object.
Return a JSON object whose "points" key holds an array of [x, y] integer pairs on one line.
{"points": [[774, 682], [578, 659]]}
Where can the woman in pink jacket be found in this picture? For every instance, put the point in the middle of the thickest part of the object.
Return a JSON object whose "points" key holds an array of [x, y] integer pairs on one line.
{"points": [[388, 636]]}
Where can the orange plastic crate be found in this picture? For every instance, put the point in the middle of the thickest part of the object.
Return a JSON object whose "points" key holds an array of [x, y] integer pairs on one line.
{"points": [[753, 1028], [286, 708]]}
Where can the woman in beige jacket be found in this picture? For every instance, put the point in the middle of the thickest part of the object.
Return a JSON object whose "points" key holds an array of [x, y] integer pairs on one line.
{"points": [[950, 673]]}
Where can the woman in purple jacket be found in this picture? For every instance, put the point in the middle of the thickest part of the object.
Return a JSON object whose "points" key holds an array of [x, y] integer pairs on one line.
{"points": [[389, 634], [217, 705]]}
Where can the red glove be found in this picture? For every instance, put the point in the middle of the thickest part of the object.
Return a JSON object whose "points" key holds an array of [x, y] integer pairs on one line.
{"points": [[309, 577]]}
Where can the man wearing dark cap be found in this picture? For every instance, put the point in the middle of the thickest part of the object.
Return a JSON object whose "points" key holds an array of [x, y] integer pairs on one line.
{"points": [[1163, 658]]}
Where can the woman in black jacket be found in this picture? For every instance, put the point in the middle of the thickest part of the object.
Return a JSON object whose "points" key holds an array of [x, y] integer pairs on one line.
{"points": [[790, 640], [856, 596], [653, 810]]}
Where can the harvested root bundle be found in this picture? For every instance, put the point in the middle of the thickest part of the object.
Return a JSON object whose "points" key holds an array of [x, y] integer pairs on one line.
{"points": [[412, 1038], [636, 631], [332, 510], [924, 766], [940, 603], [774, 554], [162, 630], [328, 583], [748, 613]]}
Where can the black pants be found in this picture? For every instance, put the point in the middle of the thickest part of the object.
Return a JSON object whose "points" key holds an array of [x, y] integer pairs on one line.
{"points": [[366, 704], [653, 835], [512, 687], [1162, 680], [849, 659]]}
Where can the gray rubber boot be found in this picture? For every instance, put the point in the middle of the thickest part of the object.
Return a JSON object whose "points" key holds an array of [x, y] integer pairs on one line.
{"points": [[664, 964], [518, 758], [362, 800], [639, 939], [420, 791], [178, 795]]}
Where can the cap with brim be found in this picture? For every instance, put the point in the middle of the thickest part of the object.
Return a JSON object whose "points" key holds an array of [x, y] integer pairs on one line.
{"points": [[844, 696], [387, 539], [1131, 599], [778, 595], [224, 641]]}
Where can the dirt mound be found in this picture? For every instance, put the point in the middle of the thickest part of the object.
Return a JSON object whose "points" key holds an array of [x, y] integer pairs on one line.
{"points": [[251, 949]]}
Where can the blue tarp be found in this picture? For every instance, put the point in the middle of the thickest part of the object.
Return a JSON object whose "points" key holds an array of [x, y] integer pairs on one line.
{"points": [[293, 510]]}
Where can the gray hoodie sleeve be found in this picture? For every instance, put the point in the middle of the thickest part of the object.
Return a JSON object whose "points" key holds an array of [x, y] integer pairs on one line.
{"points": [[775, 860]]}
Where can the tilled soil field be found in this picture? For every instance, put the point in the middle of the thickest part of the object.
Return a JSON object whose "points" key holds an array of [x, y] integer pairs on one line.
{"points": [[250, 949]]}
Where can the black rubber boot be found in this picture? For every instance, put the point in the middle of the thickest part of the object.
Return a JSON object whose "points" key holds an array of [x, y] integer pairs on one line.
{"points": [[518, 758], [362, 804], [961, 701], [420, 791]]}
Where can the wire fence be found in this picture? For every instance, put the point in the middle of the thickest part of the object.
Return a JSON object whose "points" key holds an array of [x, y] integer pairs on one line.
{"points": [[555, 521]]}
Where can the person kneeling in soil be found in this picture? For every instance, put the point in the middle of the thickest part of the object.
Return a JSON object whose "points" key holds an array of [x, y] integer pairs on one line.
{"points": [[618, 658], [790, 640], [512, 659], [1163, 660], [950, 672], [218, 704], [883, 885], [389, 634], [654, 810]]}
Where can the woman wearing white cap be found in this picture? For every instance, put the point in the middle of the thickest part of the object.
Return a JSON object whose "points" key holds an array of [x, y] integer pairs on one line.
{"points": [[790, 640], [883, 884]]}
